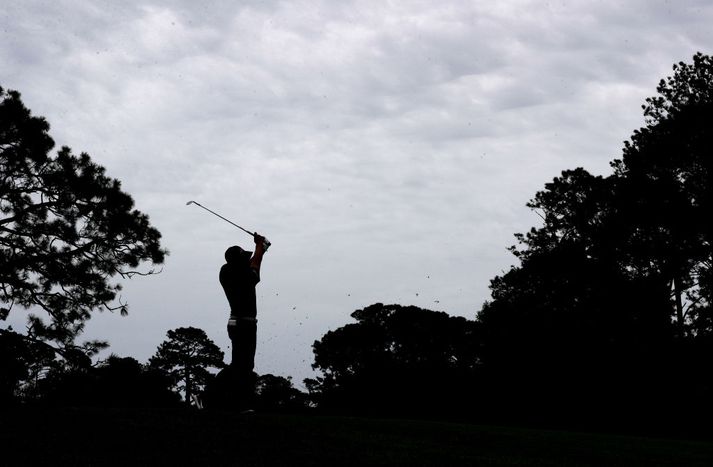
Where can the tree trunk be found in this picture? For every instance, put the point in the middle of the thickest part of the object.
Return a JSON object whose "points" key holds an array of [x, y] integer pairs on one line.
{"points": [[678, 293], [187, 376]]}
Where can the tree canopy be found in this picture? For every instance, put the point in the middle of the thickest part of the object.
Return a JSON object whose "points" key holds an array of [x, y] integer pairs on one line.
{"points": [[645, 225], [277, 393], [394, 356], [114, 382], [66, 229], [667, 194], [615, 286]]}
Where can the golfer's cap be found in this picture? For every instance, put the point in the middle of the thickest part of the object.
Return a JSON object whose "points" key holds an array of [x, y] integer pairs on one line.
{"points": [[236, 253]]}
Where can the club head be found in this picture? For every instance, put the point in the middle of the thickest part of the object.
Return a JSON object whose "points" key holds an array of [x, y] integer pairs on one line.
{"points": [[190, 202]]}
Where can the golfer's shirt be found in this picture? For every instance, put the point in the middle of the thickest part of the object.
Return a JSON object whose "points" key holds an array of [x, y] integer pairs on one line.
{"points": [[239, 285]]}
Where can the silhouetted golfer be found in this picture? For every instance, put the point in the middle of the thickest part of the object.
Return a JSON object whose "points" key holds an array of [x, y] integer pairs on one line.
{"points": [[239, 276]]}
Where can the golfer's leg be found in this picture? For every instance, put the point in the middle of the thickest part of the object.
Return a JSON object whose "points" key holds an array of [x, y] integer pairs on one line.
{"points": [[234, 350], [245, 345]]}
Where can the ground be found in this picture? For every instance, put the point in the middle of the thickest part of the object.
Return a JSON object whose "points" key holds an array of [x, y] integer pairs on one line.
{"points": [[85, 437]]}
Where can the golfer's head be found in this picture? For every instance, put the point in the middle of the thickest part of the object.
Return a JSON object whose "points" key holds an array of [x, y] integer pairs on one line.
{"points": [[236, 255]]}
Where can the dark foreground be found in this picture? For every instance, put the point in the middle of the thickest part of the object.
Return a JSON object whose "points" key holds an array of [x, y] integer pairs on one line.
{"points": [[177, 437]]}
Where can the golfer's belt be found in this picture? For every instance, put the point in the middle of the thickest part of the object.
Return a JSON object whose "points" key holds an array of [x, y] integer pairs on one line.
{"points": [[233, 321]]}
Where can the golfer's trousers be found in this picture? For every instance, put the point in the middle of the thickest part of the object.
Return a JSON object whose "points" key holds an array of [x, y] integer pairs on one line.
{"points": [[243, 337]]}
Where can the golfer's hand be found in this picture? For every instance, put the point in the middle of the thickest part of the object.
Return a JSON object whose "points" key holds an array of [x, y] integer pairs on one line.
{"points": [[262, 241]]}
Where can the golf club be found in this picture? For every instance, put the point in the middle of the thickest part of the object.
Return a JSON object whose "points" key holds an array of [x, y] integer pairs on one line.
{"points": [[267, 242]]}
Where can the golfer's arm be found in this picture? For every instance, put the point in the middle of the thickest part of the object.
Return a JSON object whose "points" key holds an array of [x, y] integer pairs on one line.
{"points": [[256, 260]]}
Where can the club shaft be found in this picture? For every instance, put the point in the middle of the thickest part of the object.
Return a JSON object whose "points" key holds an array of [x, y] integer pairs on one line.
{"points": [[226, 220]]}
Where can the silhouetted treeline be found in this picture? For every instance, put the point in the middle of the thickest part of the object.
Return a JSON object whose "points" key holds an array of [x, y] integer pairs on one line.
{"points": [[609, 312], [608, 316], [31, 374], [116, 382], [396, 360]]}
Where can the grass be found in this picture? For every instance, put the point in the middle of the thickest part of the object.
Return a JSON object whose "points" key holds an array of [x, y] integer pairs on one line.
{"points": [[91, 437]]}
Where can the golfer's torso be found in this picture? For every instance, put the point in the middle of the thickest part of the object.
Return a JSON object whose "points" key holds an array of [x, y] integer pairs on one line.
{"points": [[239, 286]]}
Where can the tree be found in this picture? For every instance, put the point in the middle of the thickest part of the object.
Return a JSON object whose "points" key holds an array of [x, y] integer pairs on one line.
{"points": [[114, 382], [611, 301], [668, 194], [23, 363], [66, 229], [396, 358], [278, 393], [649, 220], [185, 357], [569, 332]]}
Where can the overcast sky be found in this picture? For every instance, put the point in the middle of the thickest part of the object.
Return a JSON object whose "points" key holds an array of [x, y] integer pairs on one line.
{"points": [[387, 149]]}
